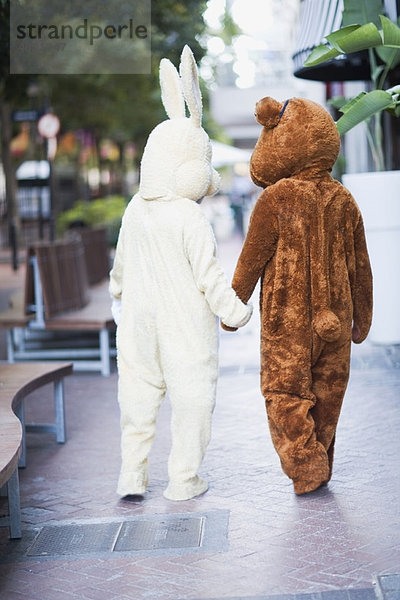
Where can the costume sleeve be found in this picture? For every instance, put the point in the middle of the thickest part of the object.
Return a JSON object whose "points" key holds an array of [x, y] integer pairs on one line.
{"points": [[362, 285], [115, 285], [200, 248], [258, 248]]}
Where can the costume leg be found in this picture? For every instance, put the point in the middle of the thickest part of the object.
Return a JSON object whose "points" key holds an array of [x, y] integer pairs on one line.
{"points": [[330, 375], [286, 386], [140, 394], [303, 457], [192, 408]]}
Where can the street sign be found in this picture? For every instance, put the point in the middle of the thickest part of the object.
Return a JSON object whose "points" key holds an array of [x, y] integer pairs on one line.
{"points": [[48, 125], [25, 115]]}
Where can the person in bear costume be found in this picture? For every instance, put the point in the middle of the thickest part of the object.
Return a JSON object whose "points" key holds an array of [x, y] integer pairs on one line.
{"points": [[306, 244], [167, 288]]}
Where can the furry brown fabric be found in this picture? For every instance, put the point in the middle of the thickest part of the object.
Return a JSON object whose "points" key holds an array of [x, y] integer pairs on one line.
{"points": [[306, 243]]}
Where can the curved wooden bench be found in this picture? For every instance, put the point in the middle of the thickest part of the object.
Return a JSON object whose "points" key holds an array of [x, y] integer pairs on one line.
{"points": [[16, 382], [10, 452]]}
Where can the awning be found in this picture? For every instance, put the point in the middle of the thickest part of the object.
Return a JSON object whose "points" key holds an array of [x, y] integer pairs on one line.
{"points": [[318, 18], [224, 155]]}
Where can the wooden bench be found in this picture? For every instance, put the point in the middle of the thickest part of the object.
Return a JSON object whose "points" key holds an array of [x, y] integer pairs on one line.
{"points": [[59, 307], [16, 382], [97, 257]]}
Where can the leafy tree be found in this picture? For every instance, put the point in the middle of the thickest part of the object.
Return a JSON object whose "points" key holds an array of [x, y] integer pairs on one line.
{"points": [[12, 90], [128, 106], [122, 107]]}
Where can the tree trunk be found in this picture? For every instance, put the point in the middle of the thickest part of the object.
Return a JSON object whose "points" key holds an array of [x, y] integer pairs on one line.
{"points": [[14, 223]]}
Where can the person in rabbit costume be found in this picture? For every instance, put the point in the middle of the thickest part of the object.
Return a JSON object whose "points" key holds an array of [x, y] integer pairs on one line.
{"points": [[168, 288], [306, 244]]}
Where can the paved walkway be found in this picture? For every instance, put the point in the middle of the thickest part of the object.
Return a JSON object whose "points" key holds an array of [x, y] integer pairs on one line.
{"points": [[249, 537]]}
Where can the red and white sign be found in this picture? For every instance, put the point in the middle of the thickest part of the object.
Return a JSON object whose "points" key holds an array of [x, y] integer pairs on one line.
{"points": [[48, 125]]}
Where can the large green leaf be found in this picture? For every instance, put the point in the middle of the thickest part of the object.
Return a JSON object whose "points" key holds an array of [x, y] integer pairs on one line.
{"points": [[361, 108], [345, 41], [390, 56], [338, 102], [391, 33], [362, 11], [324, 52], [319, 55], [360, 38], [337, 36]]}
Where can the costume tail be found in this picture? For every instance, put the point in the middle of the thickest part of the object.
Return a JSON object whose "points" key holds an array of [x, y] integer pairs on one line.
{"points": [[327, 325]]}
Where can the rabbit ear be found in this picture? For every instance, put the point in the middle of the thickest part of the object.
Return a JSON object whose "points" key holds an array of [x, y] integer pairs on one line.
{"points": [[171, 90], [191, 89]]}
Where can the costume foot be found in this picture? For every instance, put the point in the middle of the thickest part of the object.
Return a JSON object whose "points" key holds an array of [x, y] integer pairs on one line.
{"points": [[132, 484], [186, 491], [304, 487], [133, 498]]}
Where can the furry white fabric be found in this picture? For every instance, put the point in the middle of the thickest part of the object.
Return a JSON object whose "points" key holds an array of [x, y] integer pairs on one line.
{"points": [[176, 160], [171, 288]]}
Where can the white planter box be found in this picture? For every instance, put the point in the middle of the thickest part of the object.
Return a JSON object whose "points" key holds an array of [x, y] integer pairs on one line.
{"points": [[378, 196]]}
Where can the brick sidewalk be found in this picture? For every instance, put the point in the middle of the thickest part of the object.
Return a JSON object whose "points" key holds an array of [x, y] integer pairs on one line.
{"points": [[249, 537]]}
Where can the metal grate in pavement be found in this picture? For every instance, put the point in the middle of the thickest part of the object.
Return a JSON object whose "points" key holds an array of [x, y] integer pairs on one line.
{"points": [[143, 535], [388, 587], [74, 539], [182, 532], [149, 534]]}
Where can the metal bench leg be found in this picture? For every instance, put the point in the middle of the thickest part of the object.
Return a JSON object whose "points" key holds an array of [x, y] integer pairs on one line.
{"points": [[10, 346], [14, 506], [104, 341], [19, 337], [59, 410], [19, 411]]}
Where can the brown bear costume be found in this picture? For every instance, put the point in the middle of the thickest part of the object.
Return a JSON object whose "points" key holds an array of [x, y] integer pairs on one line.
{"points": [[306, 243]]}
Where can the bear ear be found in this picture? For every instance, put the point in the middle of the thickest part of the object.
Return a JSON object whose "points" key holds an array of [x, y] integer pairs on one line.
{"points": [[268, 112]]}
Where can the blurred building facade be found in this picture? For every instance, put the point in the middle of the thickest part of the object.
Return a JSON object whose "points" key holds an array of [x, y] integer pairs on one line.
{"points": [[284, 35], [343, 76], [258, 64]]}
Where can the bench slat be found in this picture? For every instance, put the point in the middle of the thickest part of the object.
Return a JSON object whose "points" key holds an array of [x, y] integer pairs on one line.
{"points": [[10, 446], [96, 253], [25, 378], [95, 316], [63, 276]]}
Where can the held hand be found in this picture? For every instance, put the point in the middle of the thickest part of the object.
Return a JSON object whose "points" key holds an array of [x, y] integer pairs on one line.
{"points": [[116, 310]]}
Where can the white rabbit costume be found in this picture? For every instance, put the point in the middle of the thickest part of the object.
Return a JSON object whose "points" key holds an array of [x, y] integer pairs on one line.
{"points": [[168, 288]]}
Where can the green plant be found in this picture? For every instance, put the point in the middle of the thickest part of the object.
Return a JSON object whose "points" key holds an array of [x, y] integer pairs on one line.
{"points": [[380, 36], [106, 212]]}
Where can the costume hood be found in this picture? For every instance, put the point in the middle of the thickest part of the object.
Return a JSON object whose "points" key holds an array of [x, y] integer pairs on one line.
{"points": [[297, 136], [177, 158]]}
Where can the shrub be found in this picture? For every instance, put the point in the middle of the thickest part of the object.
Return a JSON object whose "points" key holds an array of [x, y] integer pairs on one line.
{"points": [[102, 212]]}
